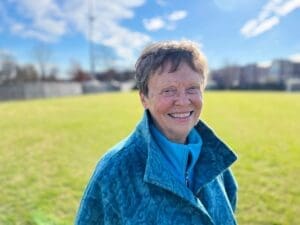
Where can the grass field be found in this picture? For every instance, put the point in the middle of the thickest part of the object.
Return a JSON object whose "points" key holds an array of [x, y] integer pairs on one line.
{"points": [[48, 150]]}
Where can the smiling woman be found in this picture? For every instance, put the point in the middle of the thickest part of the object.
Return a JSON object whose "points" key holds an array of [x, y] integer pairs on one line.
{"points": [[174, 101], [172, 169]]}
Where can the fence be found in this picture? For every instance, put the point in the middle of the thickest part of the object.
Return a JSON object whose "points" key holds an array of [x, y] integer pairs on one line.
{"points": [[39, 90]]}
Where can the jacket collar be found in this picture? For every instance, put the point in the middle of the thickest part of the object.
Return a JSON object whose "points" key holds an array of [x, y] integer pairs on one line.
{"points": [[215, 157]]}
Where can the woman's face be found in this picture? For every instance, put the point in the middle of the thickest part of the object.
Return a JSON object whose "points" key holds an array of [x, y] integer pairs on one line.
{"points": [[174, 101]]}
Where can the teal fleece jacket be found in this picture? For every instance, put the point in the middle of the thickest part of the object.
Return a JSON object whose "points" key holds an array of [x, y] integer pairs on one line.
{"points": [[180, 158], [131, 185]]}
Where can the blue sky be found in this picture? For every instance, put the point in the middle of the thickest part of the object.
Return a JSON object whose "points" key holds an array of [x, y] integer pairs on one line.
{"points": [[228, 31]]}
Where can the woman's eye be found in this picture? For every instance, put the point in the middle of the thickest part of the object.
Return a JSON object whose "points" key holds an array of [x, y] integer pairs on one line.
{"points": [[169, 92], [193, 90]]}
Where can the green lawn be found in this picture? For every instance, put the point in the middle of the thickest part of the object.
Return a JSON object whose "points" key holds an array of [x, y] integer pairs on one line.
{"points": [[48, 150]]}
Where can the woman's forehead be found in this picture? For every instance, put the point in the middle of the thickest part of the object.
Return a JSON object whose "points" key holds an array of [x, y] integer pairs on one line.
{"points": [[183, 74], [171, 67]]}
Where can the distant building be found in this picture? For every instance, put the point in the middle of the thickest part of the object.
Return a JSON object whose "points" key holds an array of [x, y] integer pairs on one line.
{"points": [[248, 76], [280, 70], [296, 70], [293, 84], [227, 77], [253, 76]]}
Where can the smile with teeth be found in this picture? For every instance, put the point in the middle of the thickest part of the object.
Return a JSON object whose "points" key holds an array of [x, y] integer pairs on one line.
{"points": [[181, 115]]}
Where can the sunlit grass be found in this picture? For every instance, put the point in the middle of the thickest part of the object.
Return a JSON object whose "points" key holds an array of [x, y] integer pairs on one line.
{"points": [[49, 148]]}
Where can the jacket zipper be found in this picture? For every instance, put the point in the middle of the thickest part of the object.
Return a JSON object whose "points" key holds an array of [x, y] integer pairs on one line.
{"points": [[187, 178], [187, 182]]}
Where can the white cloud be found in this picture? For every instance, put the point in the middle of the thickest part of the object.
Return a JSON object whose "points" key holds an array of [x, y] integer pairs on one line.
{"points": [[153, 24], [264, 64], [269, 16], [17, 27], [295, 57], [161, 2], [6, 52], [50, 20], [288, 7], [177, 15], [45, 16], [167, 22], [253, 28]]}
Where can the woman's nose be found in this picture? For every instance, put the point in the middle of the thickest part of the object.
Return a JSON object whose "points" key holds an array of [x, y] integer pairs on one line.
{"points": [[182, 99]]}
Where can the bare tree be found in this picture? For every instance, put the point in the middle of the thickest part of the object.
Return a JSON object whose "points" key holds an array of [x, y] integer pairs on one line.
{"points": [[8, 67], [42, 54], [53, 74], [77, 73], [26, 73]]}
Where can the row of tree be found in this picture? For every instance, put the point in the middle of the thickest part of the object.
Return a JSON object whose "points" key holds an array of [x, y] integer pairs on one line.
{"points": [[42, 70], [12, 71]]}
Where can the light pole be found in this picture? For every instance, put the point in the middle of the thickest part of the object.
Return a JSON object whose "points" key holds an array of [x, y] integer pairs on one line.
{"points": [[91, 20]]}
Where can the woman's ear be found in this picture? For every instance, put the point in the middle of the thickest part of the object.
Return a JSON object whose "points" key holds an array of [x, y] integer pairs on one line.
{"points": [[144, 100]]}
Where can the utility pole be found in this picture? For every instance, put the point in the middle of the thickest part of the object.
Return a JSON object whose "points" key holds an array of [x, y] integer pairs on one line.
{"points": [[91, 20]]}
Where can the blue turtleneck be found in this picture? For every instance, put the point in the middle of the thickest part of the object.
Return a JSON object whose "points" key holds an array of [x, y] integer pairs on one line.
{"points": [[180, 158]]}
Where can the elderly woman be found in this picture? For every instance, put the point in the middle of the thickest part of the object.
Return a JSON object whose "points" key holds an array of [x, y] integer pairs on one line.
{"points": [[172, 169]]}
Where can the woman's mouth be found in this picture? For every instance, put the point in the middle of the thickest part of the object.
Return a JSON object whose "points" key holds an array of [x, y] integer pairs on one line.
{"points": [[184, 115]]}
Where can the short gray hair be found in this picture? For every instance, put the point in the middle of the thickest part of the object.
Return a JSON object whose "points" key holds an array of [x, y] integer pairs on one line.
{"points": [[155, 56]]}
